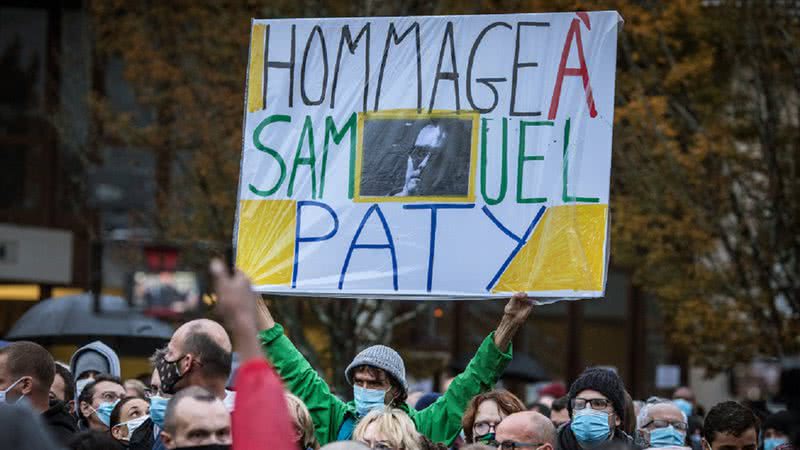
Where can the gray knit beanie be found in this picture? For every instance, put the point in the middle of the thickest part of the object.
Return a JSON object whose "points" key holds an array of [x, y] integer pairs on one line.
{"points": [[382, 357]]}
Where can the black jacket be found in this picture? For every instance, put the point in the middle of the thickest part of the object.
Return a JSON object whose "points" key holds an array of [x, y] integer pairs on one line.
{"points": [[566, 440], [60, 422]]}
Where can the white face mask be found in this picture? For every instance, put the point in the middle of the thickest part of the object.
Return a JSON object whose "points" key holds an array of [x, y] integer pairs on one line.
{"points": [[80, 384], [5, 391], [132, 425]]}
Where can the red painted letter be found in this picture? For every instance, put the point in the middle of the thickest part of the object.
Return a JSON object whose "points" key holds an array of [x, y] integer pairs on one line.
{"points": [[582, 71]]}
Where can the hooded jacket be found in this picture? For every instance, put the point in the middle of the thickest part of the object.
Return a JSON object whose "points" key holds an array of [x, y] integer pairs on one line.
{"points": [[104, 351], [334, 419], [567, 440], [60, 422]]}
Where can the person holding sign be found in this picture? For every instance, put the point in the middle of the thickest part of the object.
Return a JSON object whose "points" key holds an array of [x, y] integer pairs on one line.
{"points": [[378, 377]]}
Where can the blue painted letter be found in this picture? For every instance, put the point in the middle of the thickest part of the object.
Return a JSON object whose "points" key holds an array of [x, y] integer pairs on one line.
{"points": [[354, 245], [519, 240], [298, 239], [434, 207]]}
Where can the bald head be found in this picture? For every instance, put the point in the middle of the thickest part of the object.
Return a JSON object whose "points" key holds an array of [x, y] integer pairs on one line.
{"points": [[208, 344], [212, 329], [526, 426]]}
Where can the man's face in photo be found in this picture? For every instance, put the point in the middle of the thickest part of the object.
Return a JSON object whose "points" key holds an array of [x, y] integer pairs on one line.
{"points": [[429, 140]]}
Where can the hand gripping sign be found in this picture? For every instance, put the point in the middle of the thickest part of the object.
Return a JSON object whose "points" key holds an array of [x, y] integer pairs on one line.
{"points": [[428, 157]]}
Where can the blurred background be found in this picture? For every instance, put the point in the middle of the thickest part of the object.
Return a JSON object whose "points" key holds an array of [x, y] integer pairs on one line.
{"points": [[120, 124]]}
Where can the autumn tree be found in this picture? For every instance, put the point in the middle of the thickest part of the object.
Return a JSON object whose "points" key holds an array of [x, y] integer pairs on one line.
{"points": [[705, 159]]}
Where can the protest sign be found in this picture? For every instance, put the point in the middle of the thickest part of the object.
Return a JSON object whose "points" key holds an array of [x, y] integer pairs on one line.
{"points": [[428, 157]]}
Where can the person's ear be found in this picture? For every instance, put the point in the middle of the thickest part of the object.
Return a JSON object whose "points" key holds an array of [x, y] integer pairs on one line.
{"points": [[706, 445], [71, 406], [116, 432], [85, 409], [617, 420], [166, 439], [26, 386]]}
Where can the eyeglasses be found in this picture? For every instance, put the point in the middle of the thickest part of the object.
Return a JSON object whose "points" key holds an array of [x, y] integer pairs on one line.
{"points": [[481, 428], [511, 445], [678, 425], [111, 397], [596, 403]]}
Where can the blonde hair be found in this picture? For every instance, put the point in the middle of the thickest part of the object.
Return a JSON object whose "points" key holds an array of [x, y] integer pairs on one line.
{"points": [[394, 424], [302, 422]]}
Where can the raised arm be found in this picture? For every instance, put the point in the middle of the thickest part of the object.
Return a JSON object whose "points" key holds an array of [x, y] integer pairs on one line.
{"points": [[260, 392], [327, 410], [441, 421]]}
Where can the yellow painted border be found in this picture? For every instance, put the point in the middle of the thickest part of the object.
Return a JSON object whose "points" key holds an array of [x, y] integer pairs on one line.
{"points": [[412, 114]]}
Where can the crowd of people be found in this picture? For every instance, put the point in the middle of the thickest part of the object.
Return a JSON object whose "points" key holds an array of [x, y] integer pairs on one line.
{"points": [[277, 400]]}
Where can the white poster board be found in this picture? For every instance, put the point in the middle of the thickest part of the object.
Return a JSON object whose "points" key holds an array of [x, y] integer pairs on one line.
{"points": [[428, 157]]}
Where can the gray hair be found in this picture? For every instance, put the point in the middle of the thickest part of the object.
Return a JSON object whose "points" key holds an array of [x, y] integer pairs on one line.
{"points": [[644, 413]]}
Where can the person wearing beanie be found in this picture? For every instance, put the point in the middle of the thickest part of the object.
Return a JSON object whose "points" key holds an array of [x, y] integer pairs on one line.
{"points": [[597, 411], [378, 377]]}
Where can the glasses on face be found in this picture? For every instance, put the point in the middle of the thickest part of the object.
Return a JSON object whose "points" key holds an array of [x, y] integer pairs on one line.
{"points": [[111, 397], [511, 445], [595, 403], [677, 424], [481, 428], [153, 392]]}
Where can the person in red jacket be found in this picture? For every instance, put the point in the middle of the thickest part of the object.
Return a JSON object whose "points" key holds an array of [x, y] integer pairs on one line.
{"points": [[261, 417]]}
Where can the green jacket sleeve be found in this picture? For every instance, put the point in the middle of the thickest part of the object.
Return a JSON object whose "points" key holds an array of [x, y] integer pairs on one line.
{"points": [[327, 411], [441, 421]]}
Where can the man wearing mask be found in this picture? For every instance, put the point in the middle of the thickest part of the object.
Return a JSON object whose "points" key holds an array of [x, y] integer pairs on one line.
{"points": [[662, 424], [196, 418], [97, 400], [378, 377], [730, 426], [26, 374], [199, 354], [90, 361], [63, 387], [597, 411]]}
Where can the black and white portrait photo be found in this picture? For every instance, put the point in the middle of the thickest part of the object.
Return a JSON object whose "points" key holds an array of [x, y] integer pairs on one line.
{"points": [[428, 157]]}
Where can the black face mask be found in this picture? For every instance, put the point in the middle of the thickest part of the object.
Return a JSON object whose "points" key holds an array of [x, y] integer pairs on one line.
{"points": [[142, 438], [207, 447], [169, 373]]}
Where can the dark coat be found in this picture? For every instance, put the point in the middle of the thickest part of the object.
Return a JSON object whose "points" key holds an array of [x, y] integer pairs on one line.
{"points": [[60, 422], [566, 440]]}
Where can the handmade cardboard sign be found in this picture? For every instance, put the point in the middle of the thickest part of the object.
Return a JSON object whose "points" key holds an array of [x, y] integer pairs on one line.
{"points": [[428, 157]]}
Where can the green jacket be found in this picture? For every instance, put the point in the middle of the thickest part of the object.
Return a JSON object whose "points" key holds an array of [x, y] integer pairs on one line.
{"points": [[440, 422]]}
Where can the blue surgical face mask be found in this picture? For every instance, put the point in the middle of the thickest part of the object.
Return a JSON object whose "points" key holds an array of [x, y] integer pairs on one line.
{"points": [[771, 443], [103, 412], [590, 426], [5, 391], [667, 437], [158, 409], [368, 399], [684, 406]]}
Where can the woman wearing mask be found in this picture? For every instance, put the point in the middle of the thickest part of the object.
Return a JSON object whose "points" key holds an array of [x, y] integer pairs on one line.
{"points": [[304, 427], [127, 416], [97, 400], [387, 429], [485, 411]]}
